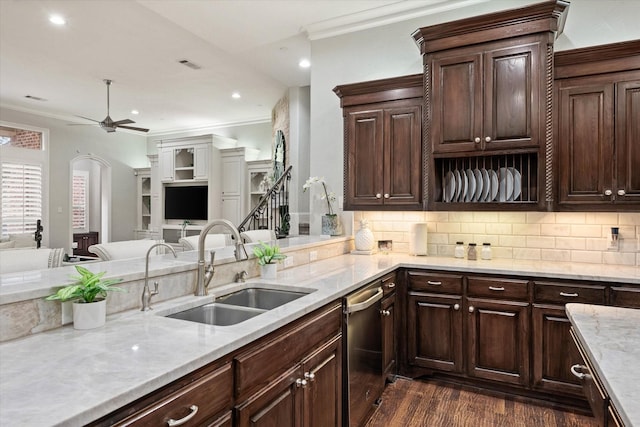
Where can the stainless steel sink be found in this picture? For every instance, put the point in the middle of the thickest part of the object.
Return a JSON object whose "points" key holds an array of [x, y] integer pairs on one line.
{"points": [[239, 306], [216, 314], [266, 299]]}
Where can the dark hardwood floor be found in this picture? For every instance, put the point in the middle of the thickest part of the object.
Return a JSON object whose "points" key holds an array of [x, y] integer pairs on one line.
{"points": [[435, 404]]}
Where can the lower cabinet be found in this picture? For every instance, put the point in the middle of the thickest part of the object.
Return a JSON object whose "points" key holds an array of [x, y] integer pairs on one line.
{"points": [[389, 346], [83, 241]]}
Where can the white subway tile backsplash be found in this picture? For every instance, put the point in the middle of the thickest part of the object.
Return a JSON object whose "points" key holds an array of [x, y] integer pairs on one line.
{"points": [[619, 258], [601, 218], [512, 241], [526, 253], [461, 216], [499, 228], [586, 230], [555, 255], [473, 227], [485, 216], [448, 227], [526, 229], [629, 218], [541, 218], [541, 242], [512, 217], [574, 243], [587, 256], [571, 217], [555, 230]]}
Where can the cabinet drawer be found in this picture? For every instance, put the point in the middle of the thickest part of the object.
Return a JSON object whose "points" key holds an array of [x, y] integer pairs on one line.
{"points": [[267, 360], [498, 288], [202, 400], [591, 384], [625, 297], [440, 283], [389, 284], [560, 293]]}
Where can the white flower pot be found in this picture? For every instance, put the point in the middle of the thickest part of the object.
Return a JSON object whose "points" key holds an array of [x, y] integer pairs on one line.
{"points": [[89, 315], [269, 271]]}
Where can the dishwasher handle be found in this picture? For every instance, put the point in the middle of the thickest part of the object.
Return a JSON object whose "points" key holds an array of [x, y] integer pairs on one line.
{"points": [[353, 308]]}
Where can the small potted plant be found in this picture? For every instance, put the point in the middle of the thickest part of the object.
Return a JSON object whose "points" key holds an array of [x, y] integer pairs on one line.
{"points": [[330, 221], [268, 256], [88, 293]]}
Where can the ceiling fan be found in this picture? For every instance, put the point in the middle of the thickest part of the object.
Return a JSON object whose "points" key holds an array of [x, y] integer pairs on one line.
{"points": [[108, 124]]}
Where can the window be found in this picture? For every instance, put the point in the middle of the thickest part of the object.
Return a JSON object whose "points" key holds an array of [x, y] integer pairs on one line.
{"points": [[21, 197], [80, 201]]}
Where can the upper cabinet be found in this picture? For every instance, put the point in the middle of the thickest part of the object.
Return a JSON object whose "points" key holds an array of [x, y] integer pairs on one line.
{"points": [[383, 144], [487, 107], [184, 163], [598, 127]]}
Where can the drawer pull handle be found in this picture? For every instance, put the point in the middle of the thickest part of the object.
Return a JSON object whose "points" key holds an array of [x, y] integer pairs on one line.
{"points": [[576, 370], [495, 288], [390, 285], [385, 312], [194, 410], [433, 283], [567, 294]]}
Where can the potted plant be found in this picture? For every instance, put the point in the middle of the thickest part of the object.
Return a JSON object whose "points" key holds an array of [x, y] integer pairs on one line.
{"points": [[88, 293], [268, 256], [330, 221]]}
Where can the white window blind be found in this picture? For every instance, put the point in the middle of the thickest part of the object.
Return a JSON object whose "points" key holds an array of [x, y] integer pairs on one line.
{"points": [[21, 197], [80, 200]]}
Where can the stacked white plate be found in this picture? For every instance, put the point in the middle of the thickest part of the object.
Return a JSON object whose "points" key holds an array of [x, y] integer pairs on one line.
{"points": [[482, 185]]}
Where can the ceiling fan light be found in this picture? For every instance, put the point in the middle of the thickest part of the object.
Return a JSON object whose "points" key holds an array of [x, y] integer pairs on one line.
{"points": [[235, 95], [57, 20], [135, 112]]}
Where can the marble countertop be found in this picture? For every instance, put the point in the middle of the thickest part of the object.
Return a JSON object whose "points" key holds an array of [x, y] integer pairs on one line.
{"points": [[70, 377], [611, 338]]}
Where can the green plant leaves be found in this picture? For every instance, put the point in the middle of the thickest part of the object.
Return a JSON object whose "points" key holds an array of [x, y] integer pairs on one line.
{"points": [[267, 254], [88, 287]]}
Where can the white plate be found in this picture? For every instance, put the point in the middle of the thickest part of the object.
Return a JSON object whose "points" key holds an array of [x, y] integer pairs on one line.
{"points": [[456, 197], [494, 185], [465, 186], [471, 186], [506, 184], [449, 187], [517, 183], [479, 185], [486, 186]]}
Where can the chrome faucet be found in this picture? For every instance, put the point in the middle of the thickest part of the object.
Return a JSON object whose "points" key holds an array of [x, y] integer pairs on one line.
{"points": [[205, 274], [146, 293]]}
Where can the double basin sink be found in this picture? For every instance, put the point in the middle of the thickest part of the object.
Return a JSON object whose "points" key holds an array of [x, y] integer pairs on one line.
{"points": [[238, 306]]}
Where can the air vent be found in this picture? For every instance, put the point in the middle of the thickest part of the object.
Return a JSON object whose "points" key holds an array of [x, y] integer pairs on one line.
{"points": [[189, 64], [35, 98]]}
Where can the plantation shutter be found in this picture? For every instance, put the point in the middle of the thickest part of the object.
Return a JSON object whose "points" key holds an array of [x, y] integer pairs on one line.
{"points": [[80, 200], [21, 197]]}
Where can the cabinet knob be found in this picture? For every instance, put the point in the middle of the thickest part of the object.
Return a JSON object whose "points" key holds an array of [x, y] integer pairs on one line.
{"points": [[386, 195], [194, 410], [456, 307], [385, 312], [378, 196], [390, 285], [309, 376], [301, 383], [576, 370], [471, 309], [487, 139], [608, 192], [621, 193], [477, 140]]}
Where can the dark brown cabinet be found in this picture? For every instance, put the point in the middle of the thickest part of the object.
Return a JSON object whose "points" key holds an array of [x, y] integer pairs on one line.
{"points": [[383, 144], [83, 241], [488, 100], [389, 347], [598, 127]]}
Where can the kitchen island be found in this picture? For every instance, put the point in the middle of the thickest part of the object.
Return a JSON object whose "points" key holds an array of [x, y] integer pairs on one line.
{"points": [[611, 338]]}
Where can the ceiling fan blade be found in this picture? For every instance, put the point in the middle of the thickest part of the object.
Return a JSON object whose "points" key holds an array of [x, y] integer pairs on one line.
{"points": [[87, 118], [123, 122], [83, 124], [134, 128]]}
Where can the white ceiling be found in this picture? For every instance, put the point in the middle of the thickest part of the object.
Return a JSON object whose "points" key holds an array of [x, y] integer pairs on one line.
{"points": [[249, 46]]}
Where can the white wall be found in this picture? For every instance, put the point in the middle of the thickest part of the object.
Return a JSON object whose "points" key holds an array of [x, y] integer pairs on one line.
{"points": [[390, 51], [123, 151]]}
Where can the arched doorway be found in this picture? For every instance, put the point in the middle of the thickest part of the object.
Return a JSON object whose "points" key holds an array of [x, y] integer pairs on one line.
{"points": [[97, 174]]}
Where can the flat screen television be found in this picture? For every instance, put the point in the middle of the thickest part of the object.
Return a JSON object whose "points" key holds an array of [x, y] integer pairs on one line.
{"points": [[186, 202]]}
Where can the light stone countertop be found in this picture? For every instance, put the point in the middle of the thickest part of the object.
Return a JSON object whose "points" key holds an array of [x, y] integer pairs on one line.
{"points": [[611, 338], [70, 377]]}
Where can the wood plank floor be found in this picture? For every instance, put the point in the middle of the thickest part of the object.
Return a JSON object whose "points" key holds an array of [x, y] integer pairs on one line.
{"points": [[434, 404]]}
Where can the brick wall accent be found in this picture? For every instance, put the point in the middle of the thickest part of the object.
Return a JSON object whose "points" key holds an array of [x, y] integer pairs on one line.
{"points": [[27, 139]]}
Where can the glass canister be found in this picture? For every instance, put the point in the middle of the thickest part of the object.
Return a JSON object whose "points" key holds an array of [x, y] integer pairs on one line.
{"points": [[486, 251], [471, 252], [458, 252]]}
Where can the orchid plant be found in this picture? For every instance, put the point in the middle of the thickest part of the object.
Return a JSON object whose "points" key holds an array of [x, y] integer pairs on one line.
{"points": [[328, 196]]}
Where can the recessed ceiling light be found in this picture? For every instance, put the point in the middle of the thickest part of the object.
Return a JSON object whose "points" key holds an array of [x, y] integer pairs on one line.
{"points": [[135, 112], [57, 19], [235, 95], [304, 63]]}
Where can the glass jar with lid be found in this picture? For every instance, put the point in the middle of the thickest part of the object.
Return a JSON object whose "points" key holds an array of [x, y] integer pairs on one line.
{"points": [[471, 252], [458, 252], [486, 251]]}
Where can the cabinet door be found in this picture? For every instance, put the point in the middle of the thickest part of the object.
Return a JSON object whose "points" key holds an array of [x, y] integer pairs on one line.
{"points": [[627, 188], [554, 351], [201, 163], [434, 330], [231, 209], [403, 156], [456, 102], [278, 404], [512, 96], [364, 174], [498, 340], [166, 162], [585, 142], [323, 391], [232, 176], [389, 348]]}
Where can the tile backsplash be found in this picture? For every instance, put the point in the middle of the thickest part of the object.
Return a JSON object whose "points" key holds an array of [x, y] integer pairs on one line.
{"points": [[545, 236]]}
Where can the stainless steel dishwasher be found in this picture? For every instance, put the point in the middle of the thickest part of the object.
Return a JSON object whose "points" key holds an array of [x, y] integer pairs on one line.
{"points": [[365, 381]]}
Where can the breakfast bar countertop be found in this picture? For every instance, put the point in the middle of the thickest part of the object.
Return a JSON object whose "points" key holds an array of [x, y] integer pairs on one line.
{"points": [[611, 338], [71, 377]]}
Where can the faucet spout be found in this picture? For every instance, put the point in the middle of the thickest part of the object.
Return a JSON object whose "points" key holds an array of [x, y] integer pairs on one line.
{"points": [[146, 293], [202, 276]]}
